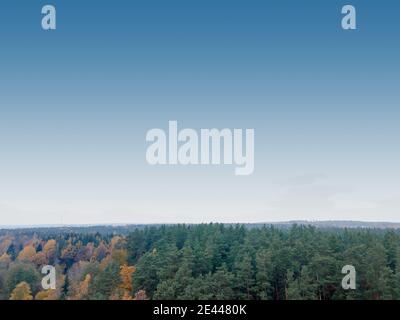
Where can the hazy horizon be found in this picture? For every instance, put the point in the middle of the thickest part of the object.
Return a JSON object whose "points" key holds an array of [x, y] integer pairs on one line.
{"points": [[123, 224]]}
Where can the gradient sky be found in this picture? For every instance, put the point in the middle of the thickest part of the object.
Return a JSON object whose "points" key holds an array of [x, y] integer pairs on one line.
{"points": [[76, 103]]}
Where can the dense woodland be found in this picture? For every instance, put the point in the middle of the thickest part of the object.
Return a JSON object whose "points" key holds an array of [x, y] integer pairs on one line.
{"points": [[212, 261]]}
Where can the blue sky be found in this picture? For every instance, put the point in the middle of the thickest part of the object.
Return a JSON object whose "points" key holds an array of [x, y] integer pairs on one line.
{"points": [[76, 103]]}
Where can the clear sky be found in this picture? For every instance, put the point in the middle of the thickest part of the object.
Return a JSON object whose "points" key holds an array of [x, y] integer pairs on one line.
{"points": [[76, 103]]}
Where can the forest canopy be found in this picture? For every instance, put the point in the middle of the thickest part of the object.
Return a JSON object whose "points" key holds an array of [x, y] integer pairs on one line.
{"points": [[208, 261]]}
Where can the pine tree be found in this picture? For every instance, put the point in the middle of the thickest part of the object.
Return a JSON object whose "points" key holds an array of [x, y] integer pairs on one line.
{"points": [[302, 286], [18, 273], [244, 275], [264, 274]]}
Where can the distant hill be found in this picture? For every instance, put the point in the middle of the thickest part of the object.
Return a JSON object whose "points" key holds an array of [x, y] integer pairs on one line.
{"points": [[342, 224]]}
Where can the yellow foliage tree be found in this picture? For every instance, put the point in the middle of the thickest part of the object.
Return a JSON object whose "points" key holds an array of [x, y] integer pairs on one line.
{"points": [[21, 292], [47, 295], [27, 254], [105, 262], [126, 281], [83, 289], [50, 250], [115, 241]]}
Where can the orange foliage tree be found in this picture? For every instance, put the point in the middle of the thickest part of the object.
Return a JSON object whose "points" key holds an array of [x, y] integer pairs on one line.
{"points": [[21, 292], [27, 254]]}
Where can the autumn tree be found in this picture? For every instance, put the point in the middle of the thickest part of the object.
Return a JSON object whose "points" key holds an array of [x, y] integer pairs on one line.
{"points": [[27, 254], [21, 292], [68, 254], [50, 294], [126, 281], [50, 251], [82, 292]]}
